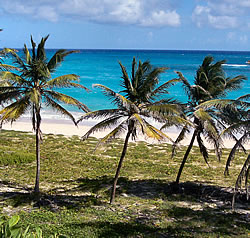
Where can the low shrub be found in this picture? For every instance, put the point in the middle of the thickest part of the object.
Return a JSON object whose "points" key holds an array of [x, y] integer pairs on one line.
{"points": [[17, 157]]}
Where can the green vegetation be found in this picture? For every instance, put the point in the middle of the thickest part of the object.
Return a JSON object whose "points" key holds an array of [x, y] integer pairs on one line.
{"points": [[76, 185], [134, 108], [9, 228], [15, 157], [30, 85], [210, 83]]}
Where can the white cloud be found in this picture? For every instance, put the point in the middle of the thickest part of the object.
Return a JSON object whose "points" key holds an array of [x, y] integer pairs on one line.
{"points": [[161, 18], [221, 14], [236, 38], [244, 39], [222, 22], [150, 13]]}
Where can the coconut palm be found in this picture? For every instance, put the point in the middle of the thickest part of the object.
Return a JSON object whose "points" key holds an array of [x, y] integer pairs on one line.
{"points": [[235, 115], [32, 86], [210, 83], [135, 103]]}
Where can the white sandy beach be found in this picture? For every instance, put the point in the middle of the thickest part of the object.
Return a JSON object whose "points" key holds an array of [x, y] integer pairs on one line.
{"points": [[59, 125]]}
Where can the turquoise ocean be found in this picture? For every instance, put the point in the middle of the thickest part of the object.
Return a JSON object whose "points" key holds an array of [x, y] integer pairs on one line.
{"points": [[101, 66]]}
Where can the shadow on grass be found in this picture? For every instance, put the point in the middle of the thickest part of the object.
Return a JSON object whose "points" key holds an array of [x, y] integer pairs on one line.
{"points": [[88, 191], [153, 188], [185, 223], [110, 230]]}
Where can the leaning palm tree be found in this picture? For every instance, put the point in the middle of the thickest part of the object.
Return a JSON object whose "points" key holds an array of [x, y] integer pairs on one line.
{"points": [[210, 83], [235, 115], [134, 104], [32, 86]]}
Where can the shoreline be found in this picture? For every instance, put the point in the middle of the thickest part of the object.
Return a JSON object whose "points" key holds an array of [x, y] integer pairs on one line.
{"points": [[65, 127]]}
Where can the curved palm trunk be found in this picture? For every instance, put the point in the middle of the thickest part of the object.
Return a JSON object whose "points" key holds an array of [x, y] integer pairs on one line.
{"points": [[125, 146], [38, 138], [185, 157]]}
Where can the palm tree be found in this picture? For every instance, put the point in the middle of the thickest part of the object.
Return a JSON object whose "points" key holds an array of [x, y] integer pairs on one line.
{"points": [[235, 114], [133, 108], [210, 83], [33, 87]]}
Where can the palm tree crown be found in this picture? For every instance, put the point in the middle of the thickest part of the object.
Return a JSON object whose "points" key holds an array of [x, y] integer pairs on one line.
{"points": [[33, 86], [137, 104], [210, 83]]}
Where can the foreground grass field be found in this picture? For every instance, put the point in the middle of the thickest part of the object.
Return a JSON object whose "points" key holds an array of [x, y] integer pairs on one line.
{"points": [[76, 183]]}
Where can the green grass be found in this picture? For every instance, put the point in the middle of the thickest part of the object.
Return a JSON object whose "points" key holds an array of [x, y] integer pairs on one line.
{"points": [[75, 185]]}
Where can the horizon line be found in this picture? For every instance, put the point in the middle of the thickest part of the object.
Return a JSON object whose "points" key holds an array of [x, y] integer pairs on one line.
{"points": [[139, 49]]}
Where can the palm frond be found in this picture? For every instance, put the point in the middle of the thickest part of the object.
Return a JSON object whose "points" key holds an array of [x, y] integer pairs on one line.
{"points": [[102, 114], [103, 125], [242, 139], [179, 138], [152, 80], [202, 115], [126, 83], [41, 55], [149, 130], [235, 83], [7, 67], [65, 81], [66, 99], [244, 97], [57, 107], [27, 55], [202, 147], [244, 174], [117, 98], [17, 59], [239, 126], [113, 134], [15, 110], [58, 58], [13, 78], [163, 88], [33, 44], [186, 84], [177, 121], [8, 95]]}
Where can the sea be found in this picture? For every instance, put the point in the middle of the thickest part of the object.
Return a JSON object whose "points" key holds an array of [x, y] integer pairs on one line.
{"points": [[101, 66]]}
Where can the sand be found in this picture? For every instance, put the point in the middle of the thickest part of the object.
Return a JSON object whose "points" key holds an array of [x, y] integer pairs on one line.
{"points": [[66, 127]]}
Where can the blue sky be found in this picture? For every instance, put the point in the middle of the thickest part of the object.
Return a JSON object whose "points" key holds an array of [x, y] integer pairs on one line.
{"points": [[128, 24]]}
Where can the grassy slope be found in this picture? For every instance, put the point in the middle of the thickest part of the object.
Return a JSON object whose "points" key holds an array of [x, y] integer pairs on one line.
{"points": [[76, 184]]}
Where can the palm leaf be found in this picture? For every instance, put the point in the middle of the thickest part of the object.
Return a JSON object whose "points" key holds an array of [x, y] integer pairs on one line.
{"points": [[202, 147], [66, 99], [17, 60], [117, 98], [27, 55], [113, 134], [179, 138], [149, 130], [6, 67], [163, 88], [58, 58], [186, 84], [103, 125], [235, 83], [15, 110], [13, 78], [55, 106], [102, 114], [244, 173], [126, 83], [8, 95], [65, 81], [243, 138], [41, 55]]}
